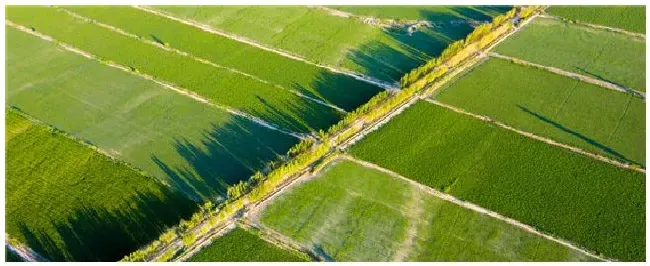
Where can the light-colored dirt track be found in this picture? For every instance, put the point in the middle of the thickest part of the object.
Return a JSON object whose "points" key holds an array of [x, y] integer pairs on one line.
{"points": [[601, 27]]}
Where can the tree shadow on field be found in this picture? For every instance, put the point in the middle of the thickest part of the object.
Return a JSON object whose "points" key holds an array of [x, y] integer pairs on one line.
{"points": [[96, 234], [599, 77], [225, 155], [579, 135]]}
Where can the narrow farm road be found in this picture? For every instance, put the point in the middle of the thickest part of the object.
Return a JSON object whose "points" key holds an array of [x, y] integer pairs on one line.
{"points": [[595, 26], [25, 253]]}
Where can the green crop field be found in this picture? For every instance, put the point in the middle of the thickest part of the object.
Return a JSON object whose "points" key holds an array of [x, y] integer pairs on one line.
{"points": [[567, 110], [354, 213], [595, 204], [337, 89], [240, 245], [327, 39], [630, 18], [437, 14], [604, 55], [68, 202], [191, 146], [220, 86]]}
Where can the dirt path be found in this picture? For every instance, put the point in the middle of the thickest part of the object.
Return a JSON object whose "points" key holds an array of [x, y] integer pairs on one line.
{"points": [[601, 27], [164, 84], [536, 137], [199, 59], [270, 235], [24, 252], [580, 77], [474, 207], [379, 83]]}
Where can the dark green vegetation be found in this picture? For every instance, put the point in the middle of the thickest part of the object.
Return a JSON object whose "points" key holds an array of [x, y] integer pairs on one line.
{"points": [[630, 18], [221, 86], [191, 146], [10, 256], [608, 56], [77, 204], [240, 245], [337, 89], [564, 109], [354, 213], [320, 37], [436, 14], [577, 198]]}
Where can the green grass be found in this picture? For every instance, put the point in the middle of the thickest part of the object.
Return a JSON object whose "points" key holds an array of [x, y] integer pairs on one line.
{"points": [[605, 55], [337, 89], [438, 14], [68, 202], [323, 38], [240, 245], [569, 111], [630, 18], [577, 198], [191, 146], [354, 213], [218, 85]]}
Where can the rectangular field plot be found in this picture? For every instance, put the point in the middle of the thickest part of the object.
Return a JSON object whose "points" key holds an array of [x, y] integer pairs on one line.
{"points": [[436, 14], [240, 245], [566, 110], [337, 89], [571, 196], [601, 54], [70, 203], [324, 38], [218, 85], [629, 18], [354, 213], [191, 146]]}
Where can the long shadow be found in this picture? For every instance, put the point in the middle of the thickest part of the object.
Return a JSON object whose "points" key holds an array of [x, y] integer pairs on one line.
{"points": [[225, 155], [93, 234], [599, 77], [574, 133]]}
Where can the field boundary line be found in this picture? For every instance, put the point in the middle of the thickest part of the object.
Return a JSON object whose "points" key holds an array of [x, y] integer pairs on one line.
{"points": [[474, 207], [218, 232], [23, 251], [280, 240], [580, 77], [536, 137], [196, 58], [596, 26], [358, 76], [164, 84]]}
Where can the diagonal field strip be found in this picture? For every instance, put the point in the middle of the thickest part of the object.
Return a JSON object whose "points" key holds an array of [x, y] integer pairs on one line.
{"points": [[535, 137], [587, 79], [196, 58], [206, 28], [474, 207], [601, 27], [179, 90]]}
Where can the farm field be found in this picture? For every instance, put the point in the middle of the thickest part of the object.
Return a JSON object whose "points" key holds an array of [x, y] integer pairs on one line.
{"points": [[438, 14], [604, 55], [323, 38], [564, 109], [354, 213], [149, 125], [588, 202], [336, 89], [220, 86], [629, 18], [240, 245], [76, 204]]}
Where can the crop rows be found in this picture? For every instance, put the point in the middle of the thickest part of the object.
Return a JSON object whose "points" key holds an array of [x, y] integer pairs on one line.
{"points": [[586, 116], [338, 89], [593, 204], [608, 56], [218, 85]]}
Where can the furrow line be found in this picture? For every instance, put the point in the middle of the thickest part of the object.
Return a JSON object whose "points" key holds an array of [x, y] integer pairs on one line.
{"points": [[196, 58], [536, 137], [382, 84], [165, 84], [474, 207], [587, 79], [596, 26]]}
